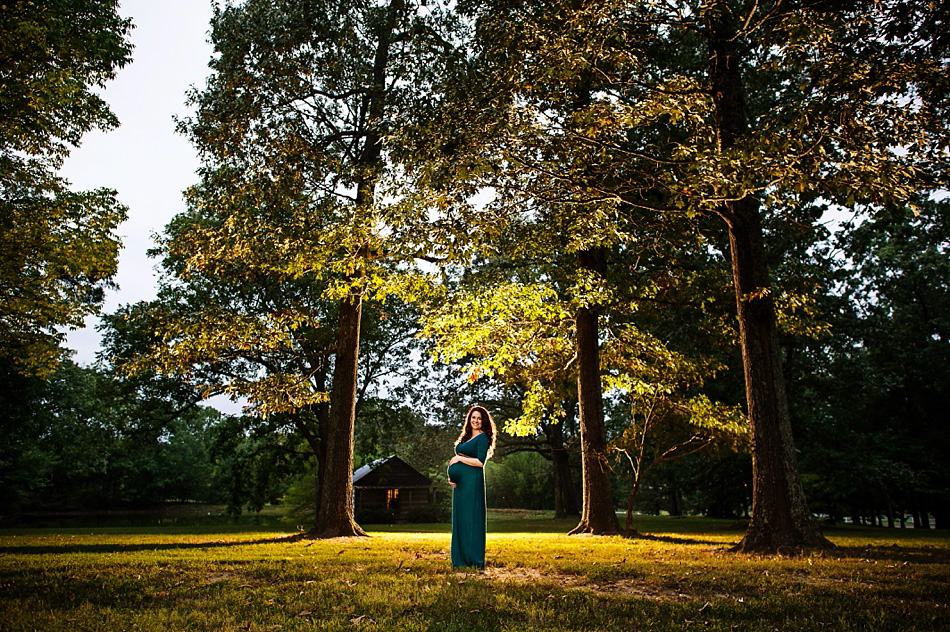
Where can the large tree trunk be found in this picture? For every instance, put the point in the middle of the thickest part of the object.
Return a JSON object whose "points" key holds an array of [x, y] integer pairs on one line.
{"points": [[780, 517], [599, 515], [335, 513], [335, 510], [565, 500]]}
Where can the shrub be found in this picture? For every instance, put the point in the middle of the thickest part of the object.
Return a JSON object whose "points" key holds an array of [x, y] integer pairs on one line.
{"points": [[375, 515]]}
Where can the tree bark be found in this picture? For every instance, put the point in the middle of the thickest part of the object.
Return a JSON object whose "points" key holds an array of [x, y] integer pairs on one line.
{"points": [[631, 499], [675, 497], [315, 436], [598, 514], [335, 510], [565, 500], [780, 517], [942, 518]]}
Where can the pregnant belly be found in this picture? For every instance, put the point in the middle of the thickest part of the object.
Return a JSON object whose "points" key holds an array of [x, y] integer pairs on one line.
{"points": [[457, 472]]}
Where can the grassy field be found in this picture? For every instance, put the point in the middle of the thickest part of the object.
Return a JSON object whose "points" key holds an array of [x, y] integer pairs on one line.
{"points": [[219, 577]]}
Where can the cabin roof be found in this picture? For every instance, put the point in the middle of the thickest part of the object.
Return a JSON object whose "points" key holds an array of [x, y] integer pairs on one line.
{"points": [[389, 472]]}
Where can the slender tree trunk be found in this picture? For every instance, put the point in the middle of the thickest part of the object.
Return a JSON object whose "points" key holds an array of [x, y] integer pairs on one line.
{"points": [[565, 500], [321, 413], [631, 499], [313, 439], [675, 497], [780, 516], [599, 515], [314, 436]]}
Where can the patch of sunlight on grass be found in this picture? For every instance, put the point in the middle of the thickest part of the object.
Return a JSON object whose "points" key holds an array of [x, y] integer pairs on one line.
{"points": [[678, 577]]}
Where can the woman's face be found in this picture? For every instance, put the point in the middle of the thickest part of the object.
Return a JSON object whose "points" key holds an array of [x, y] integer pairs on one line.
{"points": [[476, 420]]}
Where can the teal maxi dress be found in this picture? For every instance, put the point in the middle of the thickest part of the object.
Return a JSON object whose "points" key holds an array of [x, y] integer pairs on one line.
{"points": [[468, 504]]}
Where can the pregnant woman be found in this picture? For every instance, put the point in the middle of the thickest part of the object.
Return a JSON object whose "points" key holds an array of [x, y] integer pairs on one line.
{"points": [[467, 477]]}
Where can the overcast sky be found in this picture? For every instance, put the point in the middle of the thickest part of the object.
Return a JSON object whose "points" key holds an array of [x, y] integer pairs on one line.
{"points": [[145, 160]]}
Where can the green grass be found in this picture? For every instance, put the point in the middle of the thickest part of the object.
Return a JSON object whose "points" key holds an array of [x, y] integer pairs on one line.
{"points": [[212, 577]]}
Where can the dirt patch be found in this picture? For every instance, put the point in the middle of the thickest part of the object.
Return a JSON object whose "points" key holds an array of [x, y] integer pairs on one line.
{"points": [[524, 574]]}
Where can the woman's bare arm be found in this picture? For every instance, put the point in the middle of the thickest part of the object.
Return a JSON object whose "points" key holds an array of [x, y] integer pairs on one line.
{"points": [[467, 460]]}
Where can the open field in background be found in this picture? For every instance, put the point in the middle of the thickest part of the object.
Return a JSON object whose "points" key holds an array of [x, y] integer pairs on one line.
{"points": [[242, 577]]}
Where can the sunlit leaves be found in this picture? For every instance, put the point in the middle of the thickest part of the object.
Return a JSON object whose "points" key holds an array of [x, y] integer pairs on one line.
{"points": [[662, 385], [799, 314], [58, 253], [505, 328], [569, 134], [671, 426], [288, 225], [840, 104], [53, 56], [58, 248]]}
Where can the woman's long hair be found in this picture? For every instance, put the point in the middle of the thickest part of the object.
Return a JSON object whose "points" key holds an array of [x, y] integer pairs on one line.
{"points": [[488, 427]]}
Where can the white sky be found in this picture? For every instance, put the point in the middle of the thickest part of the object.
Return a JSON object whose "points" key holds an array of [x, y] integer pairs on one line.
{"points": [[145, 160]]}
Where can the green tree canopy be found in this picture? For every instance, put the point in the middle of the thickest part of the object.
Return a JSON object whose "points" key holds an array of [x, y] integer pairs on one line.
{"points": [[289, 229], [58, 248], [743, 112]]}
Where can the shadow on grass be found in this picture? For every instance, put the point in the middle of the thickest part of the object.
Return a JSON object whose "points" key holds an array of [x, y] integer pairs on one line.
{"points": [[133, 548], [540, 527], [668, 539], [894, 553]]}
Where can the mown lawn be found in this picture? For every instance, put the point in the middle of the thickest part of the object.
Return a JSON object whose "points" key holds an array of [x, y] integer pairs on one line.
{"points": [[678, 578]]}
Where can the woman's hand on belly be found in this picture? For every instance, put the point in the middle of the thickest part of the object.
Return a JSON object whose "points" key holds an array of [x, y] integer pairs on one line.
{"points": [[454, 473]]}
